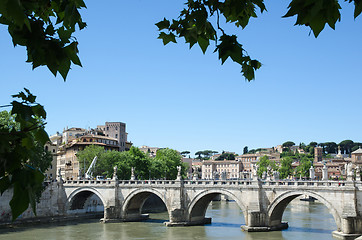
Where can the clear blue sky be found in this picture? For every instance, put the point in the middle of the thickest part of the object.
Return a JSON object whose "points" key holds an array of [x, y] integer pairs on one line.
{"points": [[307, 90]]}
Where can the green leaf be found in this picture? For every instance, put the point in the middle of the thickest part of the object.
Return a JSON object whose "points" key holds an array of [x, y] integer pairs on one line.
{"points": [[358, 8], [27, 142], [164, 24], [4, 184], [39, 111], [72, 52], [315, 13], [15, 10], [64, 68], [41, 136], [166, 38], [20, 201], [203, 43]]}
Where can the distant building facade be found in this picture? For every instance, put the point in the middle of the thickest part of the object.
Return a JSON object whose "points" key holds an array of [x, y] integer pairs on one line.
{"points": [[227, 169], [111, 136], [116, 130], [151, 151]]}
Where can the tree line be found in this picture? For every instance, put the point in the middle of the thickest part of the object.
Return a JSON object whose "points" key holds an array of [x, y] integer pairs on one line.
{"points": [[285, 168], [162, 166], [346, 146]]}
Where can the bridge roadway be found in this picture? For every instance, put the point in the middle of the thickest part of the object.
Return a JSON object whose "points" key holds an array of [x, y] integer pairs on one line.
{"points": [[262, 202]]}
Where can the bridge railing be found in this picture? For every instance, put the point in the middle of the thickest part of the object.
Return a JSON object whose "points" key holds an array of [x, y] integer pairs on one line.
{"points": [[305, 183], [84, 181], [209, 182], [147, 182], [218, 182]]}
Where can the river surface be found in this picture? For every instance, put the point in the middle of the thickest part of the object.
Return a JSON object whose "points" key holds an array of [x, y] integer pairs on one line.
{"points": [[306, 221]]}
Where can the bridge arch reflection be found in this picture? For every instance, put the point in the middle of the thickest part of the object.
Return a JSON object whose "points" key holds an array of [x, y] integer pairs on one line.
{"points": [[198, 206], [85, 200], [134, 202], [277, 207]]}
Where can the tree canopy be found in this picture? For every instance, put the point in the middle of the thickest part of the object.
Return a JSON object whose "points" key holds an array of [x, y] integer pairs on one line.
{"points": [[226, 156], [288, 144], [205, 154], [46, 28], [164, 165], [22, 156]]}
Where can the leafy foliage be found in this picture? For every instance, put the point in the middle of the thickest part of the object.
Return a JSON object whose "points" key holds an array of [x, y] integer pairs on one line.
{"points": [[164, 165], [45, 28], [226, 156], [303, 168], [263, 165], [22, 154], [286, 169], [288, 144], [194, 26], [184, 153], [205, 154], [346, 146]]}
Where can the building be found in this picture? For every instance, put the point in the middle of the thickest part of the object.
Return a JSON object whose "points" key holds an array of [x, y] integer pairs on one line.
{"points": [[188, 161], [151, 151], [250, 159], [116, 130], [111, 136], [67, 160], [52, 147], [356, 157], [72, 133], [318, 154], [227, 169]]}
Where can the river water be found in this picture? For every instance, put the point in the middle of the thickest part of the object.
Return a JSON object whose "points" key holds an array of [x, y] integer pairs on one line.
{"points": [[307, 220]]}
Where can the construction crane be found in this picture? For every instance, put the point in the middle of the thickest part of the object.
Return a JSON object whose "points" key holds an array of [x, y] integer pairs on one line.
{"points": [[89, 173]]}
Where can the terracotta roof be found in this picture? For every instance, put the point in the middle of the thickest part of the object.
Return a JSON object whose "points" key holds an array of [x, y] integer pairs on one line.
{"points": [[99, 136], [357, 151]]}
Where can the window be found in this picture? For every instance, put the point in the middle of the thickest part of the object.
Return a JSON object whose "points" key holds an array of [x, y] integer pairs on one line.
{"points": [[116, 135]]}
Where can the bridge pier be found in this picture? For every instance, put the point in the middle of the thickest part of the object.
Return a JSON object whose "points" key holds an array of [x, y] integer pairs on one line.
{"points": [[110, 214], [257, 222]]}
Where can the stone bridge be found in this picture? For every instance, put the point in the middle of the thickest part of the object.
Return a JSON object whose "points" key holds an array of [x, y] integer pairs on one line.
{"points": [[262, 202]]}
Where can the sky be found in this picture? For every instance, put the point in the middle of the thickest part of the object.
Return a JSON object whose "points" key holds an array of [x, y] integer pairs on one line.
{"points": [[308, 89]]}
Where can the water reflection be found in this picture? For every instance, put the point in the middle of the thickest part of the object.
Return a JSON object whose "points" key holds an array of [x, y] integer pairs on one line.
{"points": [[306, 220]]}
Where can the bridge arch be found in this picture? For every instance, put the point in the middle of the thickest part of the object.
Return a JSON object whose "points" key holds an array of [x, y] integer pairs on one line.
{"points": [[197, 208], [277, 207], [79, 196], [132, 204]]}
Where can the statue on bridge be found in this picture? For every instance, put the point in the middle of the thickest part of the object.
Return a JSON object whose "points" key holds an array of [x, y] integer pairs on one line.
{"points": [[178, 173], [255, 171], [59, 177], [132, 174], [312, 173], [358, 174], [349, 171], [115, 169], [276, 175]]}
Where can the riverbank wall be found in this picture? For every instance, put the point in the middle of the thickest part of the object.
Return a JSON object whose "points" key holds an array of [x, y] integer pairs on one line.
{"points": [[49, 205]]}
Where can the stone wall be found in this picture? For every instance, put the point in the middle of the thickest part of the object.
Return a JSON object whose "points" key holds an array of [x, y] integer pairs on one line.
{"points": [[47, 207]]}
